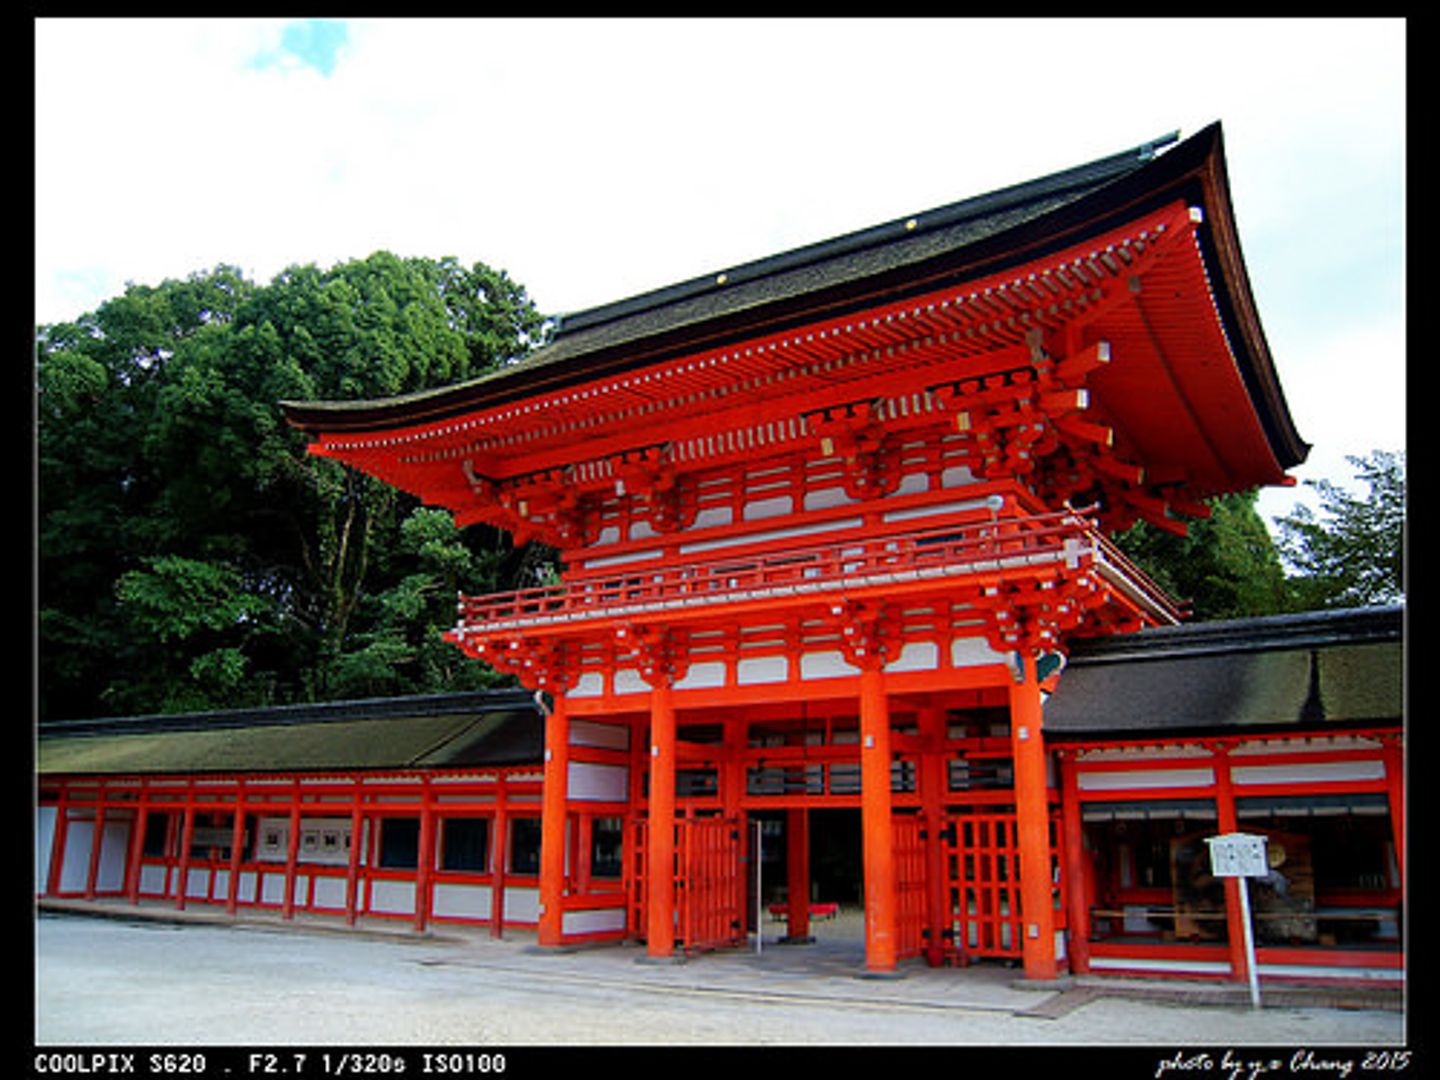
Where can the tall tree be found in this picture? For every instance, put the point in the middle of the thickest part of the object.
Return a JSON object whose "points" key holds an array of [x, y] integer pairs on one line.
{"points": [[1226, 566], [1353, 552], [191, 554]]}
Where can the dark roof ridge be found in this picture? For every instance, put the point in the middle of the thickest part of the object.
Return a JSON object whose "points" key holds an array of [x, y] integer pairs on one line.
{"points": [[544, 368], [886, 232], [1295, 630]]}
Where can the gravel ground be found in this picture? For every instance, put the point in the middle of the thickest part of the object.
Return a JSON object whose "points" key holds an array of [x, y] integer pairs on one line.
{"points": [[124, 983]]}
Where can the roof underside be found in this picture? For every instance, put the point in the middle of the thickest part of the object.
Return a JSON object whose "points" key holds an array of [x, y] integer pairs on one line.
{"points": [[1196, 342]]}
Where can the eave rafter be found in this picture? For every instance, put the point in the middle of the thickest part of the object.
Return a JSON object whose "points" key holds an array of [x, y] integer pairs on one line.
{"points": [[783, 393]]}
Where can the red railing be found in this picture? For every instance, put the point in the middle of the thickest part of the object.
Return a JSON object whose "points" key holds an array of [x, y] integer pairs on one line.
{"points": [[994, 544]]}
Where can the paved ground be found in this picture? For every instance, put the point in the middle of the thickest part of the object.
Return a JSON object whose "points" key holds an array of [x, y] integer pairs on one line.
{"points": [[205, 982]]}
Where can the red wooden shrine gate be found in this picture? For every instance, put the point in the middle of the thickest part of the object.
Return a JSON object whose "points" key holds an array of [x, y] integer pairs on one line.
{"points": [[709, 882]]}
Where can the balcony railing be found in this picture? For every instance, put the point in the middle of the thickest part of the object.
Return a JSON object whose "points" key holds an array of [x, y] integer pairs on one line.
{"points": [[997, 544]]}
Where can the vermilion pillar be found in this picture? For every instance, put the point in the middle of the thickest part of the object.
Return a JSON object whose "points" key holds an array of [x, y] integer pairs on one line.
{"points": [[187, 840], [552, 825], [875, 822], [797, 873], [1078, 892], [1394, 758], [660, 843], [499, 854], [1032, 822], [932, 723]]}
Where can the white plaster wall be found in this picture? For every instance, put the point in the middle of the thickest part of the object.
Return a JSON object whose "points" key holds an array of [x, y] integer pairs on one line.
{"points": [[393, 897], [589, 781], [461, 901], [1145, 778], [44, 845], [522, 904], [593, 922]]}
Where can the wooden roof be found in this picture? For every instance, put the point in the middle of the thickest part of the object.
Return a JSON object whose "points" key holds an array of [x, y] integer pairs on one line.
{"points": [[1329, 669], [909, 257], [429, 732]]}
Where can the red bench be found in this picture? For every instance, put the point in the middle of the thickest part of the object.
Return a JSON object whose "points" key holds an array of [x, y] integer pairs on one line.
{"points": [[817, 911]]}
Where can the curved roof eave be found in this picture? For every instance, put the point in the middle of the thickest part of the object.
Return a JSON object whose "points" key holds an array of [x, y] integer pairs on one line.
{"points": [[1068, 207]]}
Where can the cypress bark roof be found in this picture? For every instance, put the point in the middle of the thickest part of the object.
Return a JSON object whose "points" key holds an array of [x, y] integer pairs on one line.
{"points": [[1318, 669], [431, 732], [889, 262]]}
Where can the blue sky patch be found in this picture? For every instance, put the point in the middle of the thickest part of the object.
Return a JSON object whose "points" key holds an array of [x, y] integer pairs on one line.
{"points": [[313, 43]]}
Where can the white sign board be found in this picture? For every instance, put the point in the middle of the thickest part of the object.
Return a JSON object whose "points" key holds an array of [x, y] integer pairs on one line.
{"points": [[1238, 855]]}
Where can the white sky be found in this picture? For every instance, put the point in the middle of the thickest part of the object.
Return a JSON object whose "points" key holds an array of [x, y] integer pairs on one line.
{"points": [[595, 159]]}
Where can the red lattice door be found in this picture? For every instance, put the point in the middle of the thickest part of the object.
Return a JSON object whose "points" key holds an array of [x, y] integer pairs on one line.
{"points": [[982, 860], [908, 859], [709, 883]]}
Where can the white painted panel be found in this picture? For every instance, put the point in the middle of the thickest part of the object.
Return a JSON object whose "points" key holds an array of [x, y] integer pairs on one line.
{"points": [[152, 879], [330, 892], [825, 498], [621, 560], [246, 893], [591, 782], [606, 736], [197, 882], [1145, 778], [1208, 967], [957, 476], [76, 866], [462, 901], [772, 534], [641, 530], [274, 889], [1311, 771], [590, 684], [712, 516], [910, 513], [913, 484], [394, 897], [826, 665], [628, 681], [1318, 971], [972, 652], [44, 845], [916, 656], [522, 905], [703, 675], [762, 669], [775, 506], [593, 922], [110, 874]]}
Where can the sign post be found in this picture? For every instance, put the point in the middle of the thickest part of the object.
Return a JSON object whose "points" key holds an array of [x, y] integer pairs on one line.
{"points": [[759, 889], [1242, 855]]}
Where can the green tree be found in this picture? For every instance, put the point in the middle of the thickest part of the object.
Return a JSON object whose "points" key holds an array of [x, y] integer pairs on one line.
{"points": [[1353, 552], [1226, 566], [169, 483]]}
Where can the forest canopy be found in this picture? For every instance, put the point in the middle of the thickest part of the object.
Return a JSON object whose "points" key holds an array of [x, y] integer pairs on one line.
{"points": [[190, 554]]}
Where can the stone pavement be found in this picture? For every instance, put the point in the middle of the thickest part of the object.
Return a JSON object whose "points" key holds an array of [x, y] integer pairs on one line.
{"points": [[830, 969]]}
